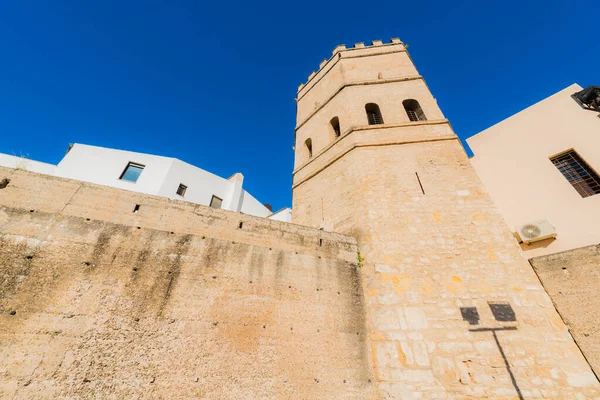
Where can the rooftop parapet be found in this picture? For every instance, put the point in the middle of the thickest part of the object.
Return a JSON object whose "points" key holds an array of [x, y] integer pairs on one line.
{"points": [[341, 48]]}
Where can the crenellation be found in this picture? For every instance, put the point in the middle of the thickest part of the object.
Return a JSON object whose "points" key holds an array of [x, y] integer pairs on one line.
{"points": [[338, 48], [341, 48]]}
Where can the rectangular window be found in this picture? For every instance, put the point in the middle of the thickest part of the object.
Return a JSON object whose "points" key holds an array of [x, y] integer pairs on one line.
{"points": [[583, 178], [132, 172], [181, 189], [216, 202]]}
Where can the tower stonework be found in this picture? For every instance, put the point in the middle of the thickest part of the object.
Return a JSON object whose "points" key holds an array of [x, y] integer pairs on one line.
{"points": [[452, 308]]}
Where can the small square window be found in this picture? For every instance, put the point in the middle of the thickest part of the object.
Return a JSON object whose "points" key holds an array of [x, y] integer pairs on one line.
{"points": [[216, 202], [181, 189], [132, 172]]}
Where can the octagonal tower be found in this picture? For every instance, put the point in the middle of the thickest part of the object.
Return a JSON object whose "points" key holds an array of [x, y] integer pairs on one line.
{"points": [[453, 307]]}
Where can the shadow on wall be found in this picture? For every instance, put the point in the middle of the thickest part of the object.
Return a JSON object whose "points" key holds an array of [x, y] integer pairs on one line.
{"points": [[503, 312], [542, 244]]}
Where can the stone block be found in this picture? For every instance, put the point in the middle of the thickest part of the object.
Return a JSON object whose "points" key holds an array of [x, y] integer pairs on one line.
{"points": [[415, 318]]}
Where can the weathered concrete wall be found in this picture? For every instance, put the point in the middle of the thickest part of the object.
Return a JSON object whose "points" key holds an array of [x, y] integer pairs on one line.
{"points": [[572, 279], [174, 301]]}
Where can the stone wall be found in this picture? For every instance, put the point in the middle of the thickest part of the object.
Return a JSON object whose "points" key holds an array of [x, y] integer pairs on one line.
{"points": [[435, 247], [572, 279], [453, 309], [173, 301]]}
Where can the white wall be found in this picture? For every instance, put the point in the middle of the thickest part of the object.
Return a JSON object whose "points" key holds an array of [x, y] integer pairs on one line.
{"points": [[26, 164], [201, 184], [105, 166], [252, 206], [285, 215], [161, 176]]}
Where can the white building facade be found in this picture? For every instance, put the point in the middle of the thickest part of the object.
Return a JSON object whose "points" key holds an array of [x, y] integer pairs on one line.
{"points": [[150, 174]]}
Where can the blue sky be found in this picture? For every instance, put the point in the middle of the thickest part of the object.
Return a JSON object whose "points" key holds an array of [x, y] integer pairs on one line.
{"points": [[213, 83]]}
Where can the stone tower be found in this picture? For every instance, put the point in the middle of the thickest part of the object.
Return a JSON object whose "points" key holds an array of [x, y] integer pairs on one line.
{"points": [[453, 309]]}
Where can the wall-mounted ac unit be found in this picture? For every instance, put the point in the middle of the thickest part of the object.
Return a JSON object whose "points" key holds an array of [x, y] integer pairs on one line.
{"points": [[535, 231]]}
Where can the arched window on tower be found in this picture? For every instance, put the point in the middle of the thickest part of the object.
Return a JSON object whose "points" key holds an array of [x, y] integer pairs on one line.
{"points": [[373, 114], [414, 110], [308, 144], [335, 126]]}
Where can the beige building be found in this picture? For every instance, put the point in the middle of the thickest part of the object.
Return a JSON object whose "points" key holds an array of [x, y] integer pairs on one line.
{"points": [[542, 164]]}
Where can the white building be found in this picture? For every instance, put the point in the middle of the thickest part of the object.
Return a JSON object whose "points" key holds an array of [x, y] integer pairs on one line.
{"points": [[150, 174]]}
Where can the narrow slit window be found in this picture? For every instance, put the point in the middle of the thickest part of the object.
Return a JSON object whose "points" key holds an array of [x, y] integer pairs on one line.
{"points": [[413, 110], [136, 209], [373, 114], [308, 144], [181, 189], [579, 174], [335, 126], [132, 172], [216, 202]]}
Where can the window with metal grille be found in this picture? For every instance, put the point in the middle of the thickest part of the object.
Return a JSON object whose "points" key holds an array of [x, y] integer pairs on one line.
{"points": [[373, 114], [181, 189], [413, 110], [335, 125], [579, 174], [216, 202]]}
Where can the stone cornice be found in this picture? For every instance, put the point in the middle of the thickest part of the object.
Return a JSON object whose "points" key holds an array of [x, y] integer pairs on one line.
{"points": [[353, 129]]}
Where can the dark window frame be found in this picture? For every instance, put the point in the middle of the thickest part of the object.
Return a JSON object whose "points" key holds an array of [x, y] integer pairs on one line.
{"points": [[374, 116], [134, 165], [181, 189], [414, 111], [213, 198], [583, 178]]}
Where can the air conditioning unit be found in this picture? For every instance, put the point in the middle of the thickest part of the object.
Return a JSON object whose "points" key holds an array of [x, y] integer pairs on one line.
{"points": [[535, 231]]}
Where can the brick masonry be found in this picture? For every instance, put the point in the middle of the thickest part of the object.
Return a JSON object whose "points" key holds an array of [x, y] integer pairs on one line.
{"points": [[174, 301]]}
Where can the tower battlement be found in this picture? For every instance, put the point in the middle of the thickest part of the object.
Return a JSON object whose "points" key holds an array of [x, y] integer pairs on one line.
{"points": [[342, 48]]}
